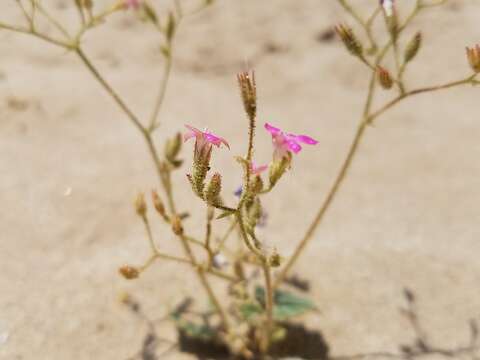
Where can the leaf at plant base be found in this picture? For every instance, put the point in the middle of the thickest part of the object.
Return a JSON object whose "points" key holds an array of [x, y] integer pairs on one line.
{"points": [[250, 310], [286, 304], [197, 331]]}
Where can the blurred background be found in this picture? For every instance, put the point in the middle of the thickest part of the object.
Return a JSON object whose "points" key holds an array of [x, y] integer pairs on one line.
{"points": [[71, 163]]}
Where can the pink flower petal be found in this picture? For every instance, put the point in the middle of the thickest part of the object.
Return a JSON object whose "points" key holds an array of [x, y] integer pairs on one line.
{"points": [[306, 139], [257, 169], [194, 132], [293, 146], [215, 140], [272, 129]]}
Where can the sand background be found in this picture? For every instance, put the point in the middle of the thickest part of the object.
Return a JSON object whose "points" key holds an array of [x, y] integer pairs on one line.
{"points": [[70, 164]]}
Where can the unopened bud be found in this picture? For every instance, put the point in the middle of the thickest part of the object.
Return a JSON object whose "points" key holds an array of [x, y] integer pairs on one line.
{"points": [[275, 259], [473, 56], [171, 27], [158, 204], [384, 78], [412, 47], [177, 226], [257, 184], [172, 148], [349, 39], [213, 190], [140, 204], [150, 13], [278, 168], [129, 272], [248, 91]]}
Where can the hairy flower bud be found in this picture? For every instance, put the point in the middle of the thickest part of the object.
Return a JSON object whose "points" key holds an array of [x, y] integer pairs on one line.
{"points": [[257, 184], [349, 39], [129, 272], [212, 194], [278, 168], [384, 78], [140, 204], [177, 226], [473, 56], [248, 91], [412, 47]]}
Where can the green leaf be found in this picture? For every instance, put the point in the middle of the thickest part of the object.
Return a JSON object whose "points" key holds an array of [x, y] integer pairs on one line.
{"points": [[286, 304], [198, 331], [250, 310]]}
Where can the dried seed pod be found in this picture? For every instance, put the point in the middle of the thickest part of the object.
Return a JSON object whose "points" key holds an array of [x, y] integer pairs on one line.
{"points": [[140, 204], [473, 56], [349, 39], [177, 226], [412, 47], [248, 91], [384, 78], [129, 272]]}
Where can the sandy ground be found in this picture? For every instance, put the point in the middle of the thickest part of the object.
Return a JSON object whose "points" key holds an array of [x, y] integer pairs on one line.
{"points": [[70, 164]]}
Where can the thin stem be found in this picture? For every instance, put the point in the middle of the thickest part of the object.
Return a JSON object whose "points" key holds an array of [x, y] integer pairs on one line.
{"points": [[52, 20], [375, 114], [268, 306], [161, 93], [110, 90], [204, 281], [36, 34], [149, 235], [335, 187], [229, 231], [367, 119]]}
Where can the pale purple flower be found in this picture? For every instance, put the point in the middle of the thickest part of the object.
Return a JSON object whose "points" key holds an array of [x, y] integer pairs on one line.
{"points": [[203, 143], [285, 142], [388, 7], [204, 137]]}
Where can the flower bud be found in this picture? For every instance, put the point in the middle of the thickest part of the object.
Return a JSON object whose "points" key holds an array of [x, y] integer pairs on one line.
{"points": [[129, 272], [177, 226], [172, 149], [473, 56], [213, 190], [278, 168], [248, 91], [140, 204], [412, 47], [349, 39], [384, 78], [171, 27], [257, 184], [275, 260], [158, 204]]}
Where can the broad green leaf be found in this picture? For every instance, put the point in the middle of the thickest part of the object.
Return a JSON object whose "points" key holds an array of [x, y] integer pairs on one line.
{"points": [[286, 304], [250, 310], [198, 331]]}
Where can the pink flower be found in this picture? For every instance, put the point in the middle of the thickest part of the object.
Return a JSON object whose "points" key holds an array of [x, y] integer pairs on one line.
{"points": [[132, 4], [203, 142], [285, 143], [256, 170]]}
